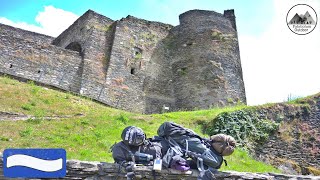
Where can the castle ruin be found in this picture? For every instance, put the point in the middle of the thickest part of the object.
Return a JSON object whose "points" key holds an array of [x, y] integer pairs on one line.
{"points": [[133, 64]]}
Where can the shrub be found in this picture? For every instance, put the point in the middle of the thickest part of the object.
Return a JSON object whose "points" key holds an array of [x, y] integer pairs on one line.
{"points": [[244, 125]]}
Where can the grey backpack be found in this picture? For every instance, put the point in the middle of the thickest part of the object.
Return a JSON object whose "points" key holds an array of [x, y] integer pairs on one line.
{"points": [[136, 147], [186, 143]]}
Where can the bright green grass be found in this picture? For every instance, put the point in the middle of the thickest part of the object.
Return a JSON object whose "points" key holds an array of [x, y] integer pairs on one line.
{"points": [[241, 161], [90, 136]]}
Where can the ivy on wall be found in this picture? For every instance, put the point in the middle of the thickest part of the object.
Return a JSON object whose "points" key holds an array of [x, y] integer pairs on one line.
{"points": [[244, 125]]}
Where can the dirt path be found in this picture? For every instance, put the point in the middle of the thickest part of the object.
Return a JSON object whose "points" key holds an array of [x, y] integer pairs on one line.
{"points": [[11, 116]]}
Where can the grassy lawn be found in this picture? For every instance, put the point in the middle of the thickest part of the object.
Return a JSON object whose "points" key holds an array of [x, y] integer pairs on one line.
{"points": [[241, 161], [89, 137]]}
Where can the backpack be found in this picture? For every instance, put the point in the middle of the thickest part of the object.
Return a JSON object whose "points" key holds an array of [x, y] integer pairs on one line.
{"points": [[136, 147], [185, 142], [173, 130], [123, 153]]}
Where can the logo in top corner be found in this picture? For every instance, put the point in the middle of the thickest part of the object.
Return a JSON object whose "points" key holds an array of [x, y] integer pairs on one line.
{"points": [[302, 19]]}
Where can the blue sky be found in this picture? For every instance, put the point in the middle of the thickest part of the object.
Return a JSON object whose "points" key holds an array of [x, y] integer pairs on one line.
{"points": [[276, 62]]}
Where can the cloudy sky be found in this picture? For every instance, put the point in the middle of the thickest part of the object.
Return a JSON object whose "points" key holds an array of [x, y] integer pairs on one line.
{"points": [[276, 62]]}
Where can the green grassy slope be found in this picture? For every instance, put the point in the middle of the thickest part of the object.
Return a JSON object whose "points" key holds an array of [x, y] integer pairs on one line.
{"points": [[89, 137]]}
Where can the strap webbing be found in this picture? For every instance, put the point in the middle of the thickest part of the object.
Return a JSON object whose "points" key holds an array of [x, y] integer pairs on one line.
{"points": [[187, 148]]}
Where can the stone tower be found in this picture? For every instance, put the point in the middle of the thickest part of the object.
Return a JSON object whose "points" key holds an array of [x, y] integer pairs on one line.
{"points": [[205, 60]]}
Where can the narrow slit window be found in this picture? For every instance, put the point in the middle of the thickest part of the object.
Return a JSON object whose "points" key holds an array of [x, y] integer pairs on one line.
{"points": [[133, 71]]}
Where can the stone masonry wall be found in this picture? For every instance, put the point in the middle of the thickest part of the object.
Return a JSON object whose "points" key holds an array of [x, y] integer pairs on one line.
{"points": [[22, 34], [97, 51], [133, 65], [141, 62], [94, 34], [205, 61], [109, 171], [158, 85], [36, 60], [295, 148]]}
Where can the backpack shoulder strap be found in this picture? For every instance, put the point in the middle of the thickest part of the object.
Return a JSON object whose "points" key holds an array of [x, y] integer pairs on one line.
{"points": [[125, 147], [174, 145]]}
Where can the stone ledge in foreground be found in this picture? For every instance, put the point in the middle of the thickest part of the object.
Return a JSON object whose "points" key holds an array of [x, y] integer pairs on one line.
{"points": [[78, 170]]}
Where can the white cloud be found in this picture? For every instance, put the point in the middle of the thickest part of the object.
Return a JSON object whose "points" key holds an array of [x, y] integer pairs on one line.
{"points": [[278, 62], [52, 21]]}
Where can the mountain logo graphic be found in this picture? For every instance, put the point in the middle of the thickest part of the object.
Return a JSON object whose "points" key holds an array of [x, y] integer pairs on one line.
{"points": [[302, 19]]}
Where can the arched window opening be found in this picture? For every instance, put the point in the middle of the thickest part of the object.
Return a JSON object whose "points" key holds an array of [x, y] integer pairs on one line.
{"points": [[137, 53], [75, 46]]}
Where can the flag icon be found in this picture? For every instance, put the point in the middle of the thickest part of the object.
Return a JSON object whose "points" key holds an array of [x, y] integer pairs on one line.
{"points": [[34, 163]]}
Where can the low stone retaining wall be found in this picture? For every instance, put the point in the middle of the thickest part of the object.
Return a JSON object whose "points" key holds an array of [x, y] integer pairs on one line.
{"points": [[78, 170]]}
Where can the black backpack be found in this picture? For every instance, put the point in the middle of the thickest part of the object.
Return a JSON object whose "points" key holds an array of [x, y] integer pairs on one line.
{"points": [[135, 146], [186, 143]]}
